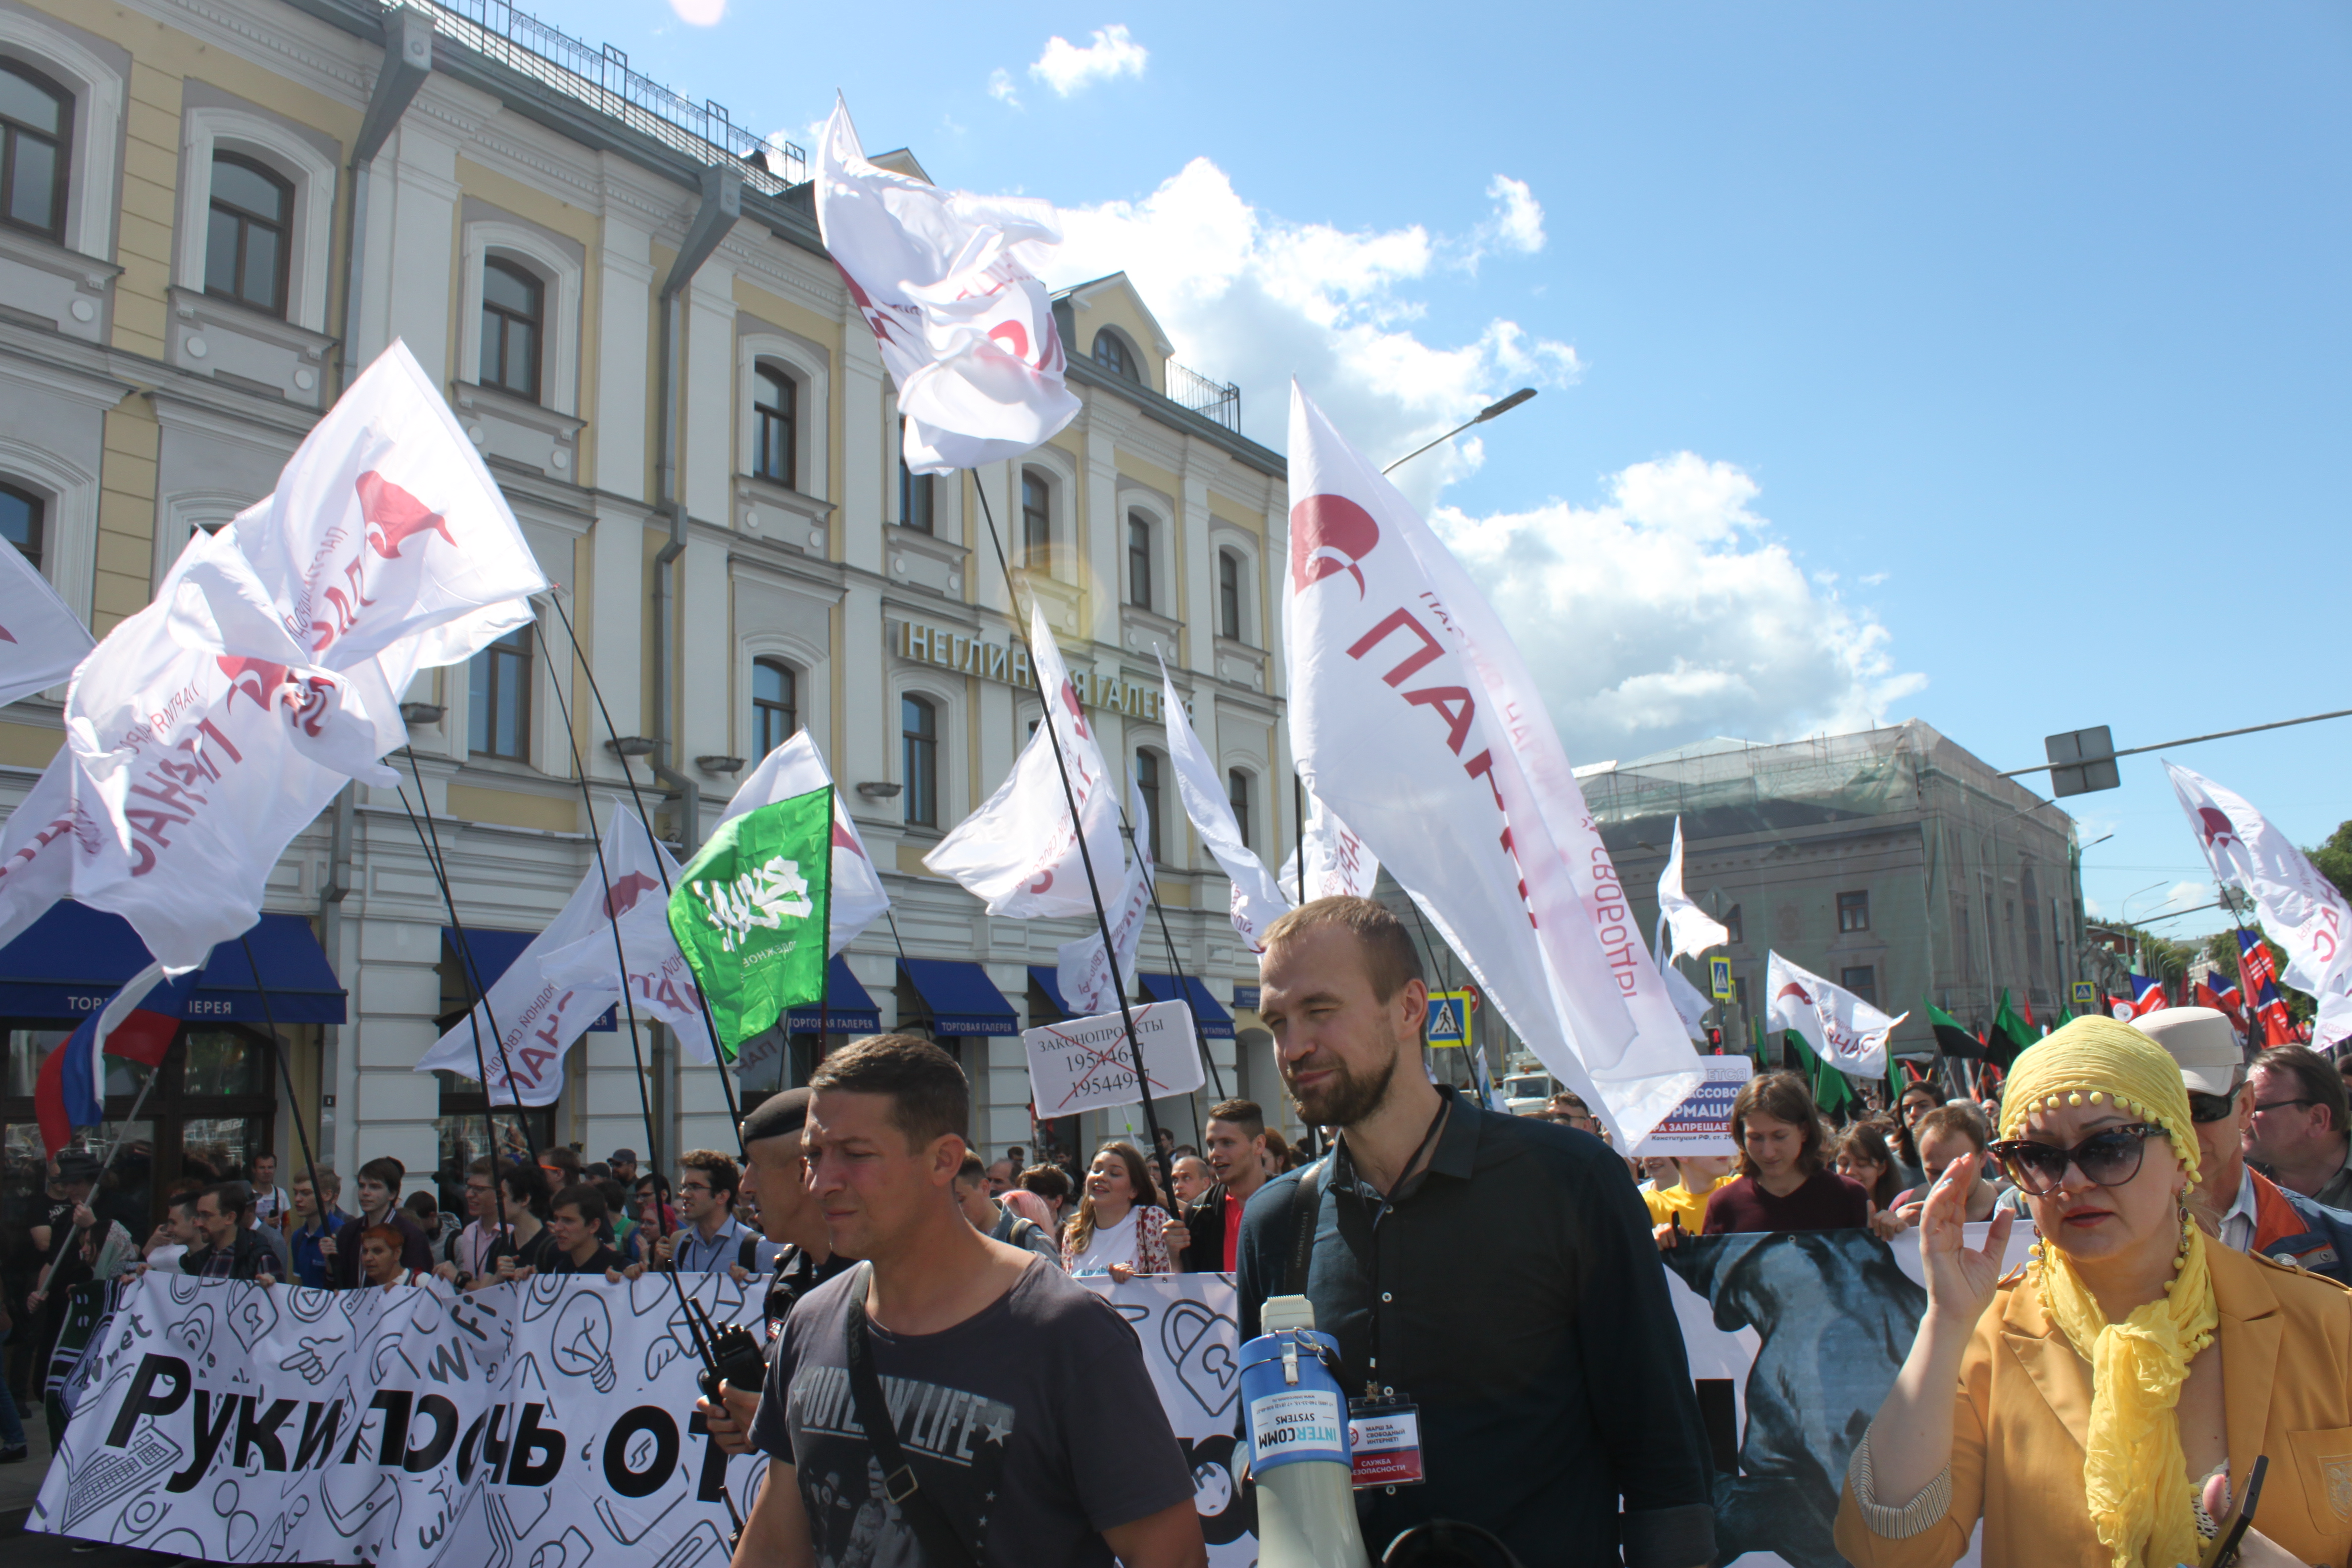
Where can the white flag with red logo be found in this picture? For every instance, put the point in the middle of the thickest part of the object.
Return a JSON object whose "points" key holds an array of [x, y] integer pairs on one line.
{"points": [[2299, 909], [208, 729], [948, 281], [1019, 852], [1258, 901], [1838, 1026], [1339, 863], [1082, 974], [1695, 930], [795, 768], [661, 986], [41, 639], [1413, 718]]}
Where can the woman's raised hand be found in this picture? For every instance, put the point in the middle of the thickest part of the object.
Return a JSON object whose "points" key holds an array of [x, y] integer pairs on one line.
{"points": [[1961, 1278]]}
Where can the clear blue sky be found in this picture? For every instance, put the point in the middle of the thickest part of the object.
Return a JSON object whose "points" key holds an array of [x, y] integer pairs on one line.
{"points": [[2026, 325]]}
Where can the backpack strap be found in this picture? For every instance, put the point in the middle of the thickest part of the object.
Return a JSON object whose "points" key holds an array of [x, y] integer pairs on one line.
{"points": [[1305, 1199], [942, 1546]]}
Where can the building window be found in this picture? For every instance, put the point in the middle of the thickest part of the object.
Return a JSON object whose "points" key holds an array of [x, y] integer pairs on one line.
{"points": [[775, 413], [1139, 561], [915, 502], [1862, 981], [1237, 792], [498, 704], [36, 119], [919, 722], [1036, 522], [1854, 911], [246, 245], [1229, 595], [1731, 924], [775, 704], [514, 318], [20, 522], [1147, 784], [1113, 356]]}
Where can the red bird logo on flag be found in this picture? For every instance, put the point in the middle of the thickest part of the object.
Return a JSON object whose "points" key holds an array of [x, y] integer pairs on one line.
{"points": [[1793, 989], [2217, 826], [1330, 535], [393, 516], [623, 895]]}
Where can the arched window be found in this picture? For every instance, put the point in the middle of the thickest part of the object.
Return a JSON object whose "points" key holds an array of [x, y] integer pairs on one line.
{"points": [[1229, 595], [1237, 792], [246, 244], [1147, 783], [35, 125], [1139, 560], [919, 729], [775, 413], [21, 514], [514, 323], [1036, 522], [1111, 353], [775, 704], [914, 491], [497, 711]]}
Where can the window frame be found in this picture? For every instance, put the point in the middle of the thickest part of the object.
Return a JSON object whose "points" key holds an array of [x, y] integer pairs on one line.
{"points": [[1231, 621], [1237, 800], [1128, 364], [1853, 912], [38, 505], [1037, 552], [481, 712], [783, 416], [912, 485], [541, 287], [62, 152], [1140, 585], [1868, 989], [1148, 771], [762, 707], [920, 784], [281, 308]]}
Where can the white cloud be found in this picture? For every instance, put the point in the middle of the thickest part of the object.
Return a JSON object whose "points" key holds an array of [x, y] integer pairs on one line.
{"points": [[699, 13], [1000, 87], [1066, 67], [1666, 614], [1518, 223], [1249, 297]]}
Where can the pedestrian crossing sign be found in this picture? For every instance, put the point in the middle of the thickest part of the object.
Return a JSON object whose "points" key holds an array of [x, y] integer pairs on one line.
{"points": [[2086, 994], [1718, 974], [1449, 1018]]}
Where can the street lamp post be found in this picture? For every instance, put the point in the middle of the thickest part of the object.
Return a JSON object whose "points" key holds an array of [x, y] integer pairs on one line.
{"points": [[1489, 412]]}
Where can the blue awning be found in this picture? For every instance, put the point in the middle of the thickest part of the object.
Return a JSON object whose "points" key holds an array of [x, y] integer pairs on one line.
{"points": [[1049, 980], [962, 999], [848, 1009], [1216, 1024], [494, 953], [71, 961]]}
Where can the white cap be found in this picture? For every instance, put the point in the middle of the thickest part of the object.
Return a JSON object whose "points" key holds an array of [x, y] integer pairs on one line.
{"points": [[2202, 1042]]}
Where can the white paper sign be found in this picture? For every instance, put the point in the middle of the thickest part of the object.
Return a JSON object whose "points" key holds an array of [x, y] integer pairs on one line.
{"points": [[1701, 1124], [1086, 1063]]}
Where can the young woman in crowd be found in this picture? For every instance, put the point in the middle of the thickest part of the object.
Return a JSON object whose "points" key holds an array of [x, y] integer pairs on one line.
{"points": [[1944, 1134], [2105, 1405], [1052, 1185], [1866, 1155], [1118, 1229], [1916, 1102], [1784, 1181], [379, 1249]]}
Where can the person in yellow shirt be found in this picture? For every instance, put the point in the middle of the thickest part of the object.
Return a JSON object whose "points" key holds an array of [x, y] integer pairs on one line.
{"points": [[1697, 1176]]}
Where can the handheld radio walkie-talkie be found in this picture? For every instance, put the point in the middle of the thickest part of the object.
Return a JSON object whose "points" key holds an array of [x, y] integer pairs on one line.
{"points": [[732, 1356]]}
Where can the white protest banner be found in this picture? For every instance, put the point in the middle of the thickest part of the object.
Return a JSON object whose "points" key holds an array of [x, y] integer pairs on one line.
{"points": [[1086, 1064], [41, 639], [1019, 852], [1087, 979], [542, 1423], [1695, 929], [2299, 909], [1340, 864], [1690, 1002], [1701, 1124], [1257, 899], [1412, 715], [795, 768], [948, 282], [1839, 1026], [1190, 1326], [661, 984]]}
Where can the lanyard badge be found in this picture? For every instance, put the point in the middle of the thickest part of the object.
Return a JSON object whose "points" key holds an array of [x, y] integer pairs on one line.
{"points": [[1384, 1443]]}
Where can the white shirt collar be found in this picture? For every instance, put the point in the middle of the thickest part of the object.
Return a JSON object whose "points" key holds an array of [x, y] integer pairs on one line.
{"points": [[2242, 1210]]}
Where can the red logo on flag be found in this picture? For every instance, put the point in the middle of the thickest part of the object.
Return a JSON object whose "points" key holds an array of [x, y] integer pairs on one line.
{"points": [[625, 893], [393, 516], [1330, 535], [2217, 826]]}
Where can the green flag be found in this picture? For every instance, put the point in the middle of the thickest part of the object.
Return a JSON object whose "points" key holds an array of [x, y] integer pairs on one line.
{"points": [[1950, 1038], [1830, 1087], [751, 910], [2008, 1034]]}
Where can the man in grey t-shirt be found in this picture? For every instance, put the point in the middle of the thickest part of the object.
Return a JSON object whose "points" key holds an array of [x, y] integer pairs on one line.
{"points": [[1024, 1412]]}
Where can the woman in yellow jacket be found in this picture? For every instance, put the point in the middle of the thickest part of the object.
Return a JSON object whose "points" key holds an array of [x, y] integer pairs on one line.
{"points": [[2105, 1405]]}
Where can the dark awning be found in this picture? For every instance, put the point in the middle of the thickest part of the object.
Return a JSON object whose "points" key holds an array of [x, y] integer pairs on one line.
{"points": [[493, 953], [1048, 979], [1216, 1024], [848, 1009], [962, 999], [71, 961]]}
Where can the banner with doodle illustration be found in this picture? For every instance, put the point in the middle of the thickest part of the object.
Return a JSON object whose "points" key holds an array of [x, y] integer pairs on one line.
{"points": [[526, 1427], [546, 1424]]}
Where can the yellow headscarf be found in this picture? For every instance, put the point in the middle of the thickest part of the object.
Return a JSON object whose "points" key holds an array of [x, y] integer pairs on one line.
{"points": [[2134, 1477]]}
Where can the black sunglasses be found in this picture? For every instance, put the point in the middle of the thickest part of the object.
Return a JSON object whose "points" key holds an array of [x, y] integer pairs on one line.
{"points": [[2206, 1108], [2106, 1159]]}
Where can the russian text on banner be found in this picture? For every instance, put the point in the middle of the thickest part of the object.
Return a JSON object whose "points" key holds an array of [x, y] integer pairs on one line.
{"points": [[1084, 1064]]}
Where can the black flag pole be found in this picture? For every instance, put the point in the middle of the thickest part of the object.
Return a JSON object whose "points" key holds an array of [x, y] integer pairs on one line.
{"points": [[1299, 808], [1077, 828], [284, 1076], [1175, 965]]}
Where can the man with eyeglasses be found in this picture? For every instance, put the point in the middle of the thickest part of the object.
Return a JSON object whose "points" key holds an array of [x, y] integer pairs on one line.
{"points": [[711, 1237], [2300, 1138], [2256, 1215]]}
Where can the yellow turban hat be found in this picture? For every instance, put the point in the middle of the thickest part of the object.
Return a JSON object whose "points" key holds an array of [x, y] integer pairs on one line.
{"points": [[2095, 1060]]}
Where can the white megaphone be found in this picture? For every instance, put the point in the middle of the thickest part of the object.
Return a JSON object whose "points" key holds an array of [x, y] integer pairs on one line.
{"points": [[1299, 1443]]}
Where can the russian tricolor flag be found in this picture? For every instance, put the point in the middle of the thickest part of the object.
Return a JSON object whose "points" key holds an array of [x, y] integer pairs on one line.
{"points": [[68, 1094]]}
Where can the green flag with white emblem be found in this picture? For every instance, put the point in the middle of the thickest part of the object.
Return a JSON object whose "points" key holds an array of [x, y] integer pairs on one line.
{"points": [[750, 913]]}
